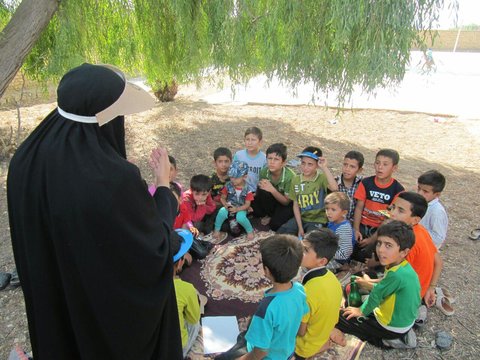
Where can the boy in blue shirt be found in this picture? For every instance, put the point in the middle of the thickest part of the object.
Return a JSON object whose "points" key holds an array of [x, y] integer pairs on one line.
{"points": [[253, 156], [274, 326]]}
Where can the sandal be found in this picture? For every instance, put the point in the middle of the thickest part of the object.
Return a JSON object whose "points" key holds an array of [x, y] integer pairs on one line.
{"points": [[445, 293], [475, 234], [444, 305], [421, 317]]}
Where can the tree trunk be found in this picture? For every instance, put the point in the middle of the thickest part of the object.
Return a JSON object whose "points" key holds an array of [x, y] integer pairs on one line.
{"points": [[20, 35]]}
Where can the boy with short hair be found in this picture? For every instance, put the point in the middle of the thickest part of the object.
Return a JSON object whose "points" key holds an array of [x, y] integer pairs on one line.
{"points": [[336, 208], [424, 257], [430, 186], [236, 199], [271, 201], [187, 299], [199, 203], [173, 175], [252, 155], [374, 195], [222, 159], [274, 326], [349, 179], [308, 191], [387, 316], [324, 294]]}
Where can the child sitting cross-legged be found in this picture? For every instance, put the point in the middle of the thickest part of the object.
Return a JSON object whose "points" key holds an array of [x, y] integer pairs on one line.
{"points": [[236, 199], [324, 295], [336, 208], [308, 191], [386, 317]]}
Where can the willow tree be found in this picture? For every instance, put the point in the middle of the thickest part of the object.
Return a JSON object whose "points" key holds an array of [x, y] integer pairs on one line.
{"points": [[335, 44]]}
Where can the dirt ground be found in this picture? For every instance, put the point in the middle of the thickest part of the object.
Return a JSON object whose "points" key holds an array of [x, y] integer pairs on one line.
{"points": [[191, 130]]}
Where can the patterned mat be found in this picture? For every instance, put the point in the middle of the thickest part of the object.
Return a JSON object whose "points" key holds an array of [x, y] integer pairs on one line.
{"points": [[232, 278]]}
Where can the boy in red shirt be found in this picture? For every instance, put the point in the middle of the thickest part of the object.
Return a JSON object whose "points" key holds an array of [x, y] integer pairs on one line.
{"points": [[374, 195]]}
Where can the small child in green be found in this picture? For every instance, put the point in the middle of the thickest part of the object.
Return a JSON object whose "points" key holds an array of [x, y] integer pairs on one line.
{"points": [[324, 295], [187, 297], [386, 318]]}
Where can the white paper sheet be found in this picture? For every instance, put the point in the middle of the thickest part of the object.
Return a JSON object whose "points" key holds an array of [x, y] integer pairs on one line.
{"points": [[219, 333]]}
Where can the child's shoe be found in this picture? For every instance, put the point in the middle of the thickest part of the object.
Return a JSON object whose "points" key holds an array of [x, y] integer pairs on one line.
{"points": [[407, 341]]}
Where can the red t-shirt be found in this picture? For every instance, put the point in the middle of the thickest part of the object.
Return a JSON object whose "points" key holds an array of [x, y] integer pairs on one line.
{"points": [[376, 197]]}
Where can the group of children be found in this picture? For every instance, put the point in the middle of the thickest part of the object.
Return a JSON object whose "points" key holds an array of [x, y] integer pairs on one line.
{"points": [[321, 223]]}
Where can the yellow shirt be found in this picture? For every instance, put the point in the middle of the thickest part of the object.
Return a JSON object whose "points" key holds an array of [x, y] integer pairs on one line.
{"points": [[324, 296], [188, 306]]}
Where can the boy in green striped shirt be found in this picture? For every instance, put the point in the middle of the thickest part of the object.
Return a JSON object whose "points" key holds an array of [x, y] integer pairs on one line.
{"points": [[386, 317]]}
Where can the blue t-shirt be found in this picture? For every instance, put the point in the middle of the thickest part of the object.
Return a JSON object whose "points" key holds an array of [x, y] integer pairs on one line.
{"points": [[275, 324], [255, 164]]}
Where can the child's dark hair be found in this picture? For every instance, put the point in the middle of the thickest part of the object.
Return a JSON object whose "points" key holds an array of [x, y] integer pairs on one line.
{"points": [[175, 188], [398, 231], [279, 149], [314, 150], [340, 198], [356, 155], [390, 153], [175, 244], [200, 183], [254, 131], [172, 161], [282, 254], [418, 204], [222, 151], [433, 178], [324, 242]]}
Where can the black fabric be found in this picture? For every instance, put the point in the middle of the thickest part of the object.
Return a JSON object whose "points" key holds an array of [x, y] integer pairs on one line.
{"points": [[366, 329], [265, 204], [314, 274], [90, 244]]}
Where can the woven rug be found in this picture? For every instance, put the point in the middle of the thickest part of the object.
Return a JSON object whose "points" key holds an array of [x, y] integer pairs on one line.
{"points": [[232, 278]]}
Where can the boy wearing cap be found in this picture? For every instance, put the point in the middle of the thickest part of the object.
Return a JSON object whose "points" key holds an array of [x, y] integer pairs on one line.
{"points": [[236, 199], [308, 191], [187, 297]]}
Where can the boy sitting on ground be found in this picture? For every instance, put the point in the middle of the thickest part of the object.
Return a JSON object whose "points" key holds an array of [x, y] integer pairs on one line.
{"points": [[253, 156], [336, 207], [222, 159], [236, 199], [271, 201], [324, 295], [387, 316], [424, 257], [374, 195], [308, 191], [430, 186], [199, 203], [349, 180], [274, 326], [187, 297]]}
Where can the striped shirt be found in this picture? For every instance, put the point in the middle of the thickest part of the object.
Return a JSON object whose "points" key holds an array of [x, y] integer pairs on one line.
{"points": [[350, 191]]}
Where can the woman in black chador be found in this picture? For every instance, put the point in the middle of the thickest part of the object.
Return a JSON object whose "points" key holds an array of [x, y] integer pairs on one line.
{"points": [[91, 245]]}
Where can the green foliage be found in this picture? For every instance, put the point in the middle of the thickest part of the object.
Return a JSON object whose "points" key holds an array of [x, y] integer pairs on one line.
{"points": [[336, 44]]}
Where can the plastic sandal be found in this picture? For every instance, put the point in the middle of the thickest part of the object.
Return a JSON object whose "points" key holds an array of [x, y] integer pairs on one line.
{"points": [[444, 292], [475, 234], [443, 304]]}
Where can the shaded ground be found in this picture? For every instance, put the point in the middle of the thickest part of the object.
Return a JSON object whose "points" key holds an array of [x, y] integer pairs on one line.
{"points": [[191, 130]]}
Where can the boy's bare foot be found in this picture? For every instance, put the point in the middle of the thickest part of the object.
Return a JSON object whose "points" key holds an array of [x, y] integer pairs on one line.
{"points": [[188, 259], [265, 220], [251, 236], [338, 337]]}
